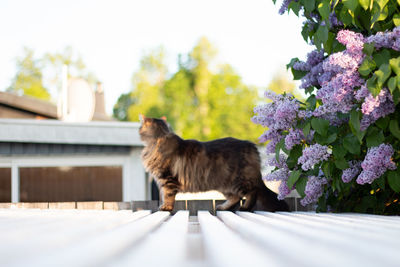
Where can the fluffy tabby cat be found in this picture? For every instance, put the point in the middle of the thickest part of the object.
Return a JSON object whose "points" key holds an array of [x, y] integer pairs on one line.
{"points": [[228, 165]]}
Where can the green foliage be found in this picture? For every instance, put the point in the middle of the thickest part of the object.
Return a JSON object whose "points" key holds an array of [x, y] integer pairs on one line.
{"points": [[120, 110], [199, 103], [380, 69], [29, 77]]}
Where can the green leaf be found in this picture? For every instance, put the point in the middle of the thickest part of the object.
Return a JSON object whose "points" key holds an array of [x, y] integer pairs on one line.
{"points": [[392, 84], [383, 73], [324, 9], [367, 66], [321, 36], [311, 102], [320, 126], [394, 128], [365, 3], [383, 123], [355, 125], [301, 185], [306, 129], [368, 49], [309, 5], [331, 138], [394, 181], [341, 163], [396, 19], [278, 148], [294, 155], [396, 96], [382, 57], [295, 6], [384, 13], [375, 137], [298, 74], [345, 17], [350, 4], [327, 168], [294, 176], [376, 12], [338, 151], [395, 65], [350, 142], [373, 86]]}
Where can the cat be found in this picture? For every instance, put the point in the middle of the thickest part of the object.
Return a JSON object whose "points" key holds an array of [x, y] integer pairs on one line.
{"points": [[228, 165]]}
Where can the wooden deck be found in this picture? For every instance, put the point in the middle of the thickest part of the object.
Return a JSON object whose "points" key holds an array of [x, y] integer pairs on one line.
{"points": [[56, 237]]}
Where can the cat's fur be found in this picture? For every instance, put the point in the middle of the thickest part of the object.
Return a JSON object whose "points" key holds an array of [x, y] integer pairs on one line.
{"points": [[228, 165]]}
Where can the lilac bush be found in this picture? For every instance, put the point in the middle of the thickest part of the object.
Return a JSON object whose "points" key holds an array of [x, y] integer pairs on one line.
{"points": [[340, 148]]}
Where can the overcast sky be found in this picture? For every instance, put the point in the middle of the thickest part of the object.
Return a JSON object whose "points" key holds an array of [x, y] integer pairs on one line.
{"points": [[111, 36]]}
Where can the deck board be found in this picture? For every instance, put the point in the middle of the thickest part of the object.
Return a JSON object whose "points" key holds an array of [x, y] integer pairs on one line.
{"points": [[63, 237]]}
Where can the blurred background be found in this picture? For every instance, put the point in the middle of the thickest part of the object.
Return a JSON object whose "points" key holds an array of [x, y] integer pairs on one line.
{"points": [[202, 64], [133, 48]]}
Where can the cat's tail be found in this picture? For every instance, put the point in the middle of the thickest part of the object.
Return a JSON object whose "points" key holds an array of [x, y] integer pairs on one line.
{"points": [[267, 200]]}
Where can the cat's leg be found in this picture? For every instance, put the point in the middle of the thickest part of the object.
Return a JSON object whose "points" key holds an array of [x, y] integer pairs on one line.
{"points": [[169, 187], [251, 199], [231, 201]]}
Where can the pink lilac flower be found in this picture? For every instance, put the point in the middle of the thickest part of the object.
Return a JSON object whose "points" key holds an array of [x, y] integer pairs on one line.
{"points": [[351, 172], [293, 138], [312, 155], [377, 107], [376, 162], [314, 190]]}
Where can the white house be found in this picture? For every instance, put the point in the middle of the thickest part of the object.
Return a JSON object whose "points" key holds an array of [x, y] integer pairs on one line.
{"points": [[50, 160]]}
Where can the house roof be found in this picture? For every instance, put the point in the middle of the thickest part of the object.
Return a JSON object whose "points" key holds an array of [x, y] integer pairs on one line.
{"points": [[58, 132], [29, 104]]}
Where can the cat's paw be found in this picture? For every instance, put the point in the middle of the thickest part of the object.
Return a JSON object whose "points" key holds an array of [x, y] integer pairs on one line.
{"points": [[220, 207], [165, 207]]}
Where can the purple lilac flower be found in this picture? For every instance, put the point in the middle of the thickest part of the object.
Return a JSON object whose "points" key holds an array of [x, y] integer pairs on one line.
{"points": [[386, 39], [281, 174], [312, 155], [273, 136], [314, 67], [334, 119], [279, 115], [293, 138], [281, 164], [334, 21], [376, 162], [377, 107], [314, 190], [362, 93], [284, 190], [284, 6], [351, 172], [340, 75]]}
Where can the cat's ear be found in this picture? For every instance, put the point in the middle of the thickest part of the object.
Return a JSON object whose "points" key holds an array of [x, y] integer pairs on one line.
{"points": [[164, 118], [142, 118]]}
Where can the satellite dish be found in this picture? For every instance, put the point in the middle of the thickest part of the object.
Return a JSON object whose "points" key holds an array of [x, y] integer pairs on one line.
{"points": [[78, 102]]}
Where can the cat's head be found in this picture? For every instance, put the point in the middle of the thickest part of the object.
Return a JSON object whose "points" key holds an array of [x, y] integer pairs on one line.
{"points": [[152, 128]]}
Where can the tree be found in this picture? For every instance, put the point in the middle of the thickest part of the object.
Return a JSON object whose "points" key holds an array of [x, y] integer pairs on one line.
{"points": [[198, 103], [120, 109], [53, 63], [29, 77]]}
